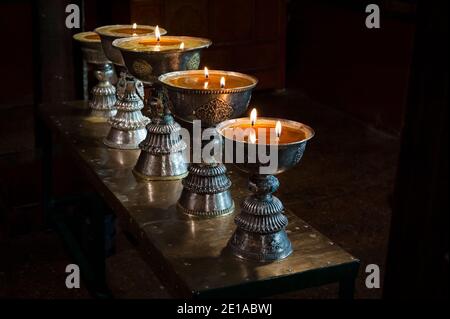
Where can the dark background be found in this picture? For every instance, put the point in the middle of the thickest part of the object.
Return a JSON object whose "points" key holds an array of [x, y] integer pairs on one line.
{"points": [[392, 82]]}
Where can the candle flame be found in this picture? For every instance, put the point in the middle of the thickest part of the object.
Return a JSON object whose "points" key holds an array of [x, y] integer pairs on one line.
{"points": [[134, 25], [253, 116], [252, 137], [222, 82], [134, 28], [278, 129], [157, 34], [206, 72], [205, 86], [182, 46]]}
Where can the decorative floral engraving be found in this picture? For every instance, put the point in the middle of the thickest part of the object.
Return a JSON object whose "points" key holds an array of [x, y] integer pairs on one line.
{"points": [[299, 153], [193, 62], [121, 86], [142, 68], [214, 112]]}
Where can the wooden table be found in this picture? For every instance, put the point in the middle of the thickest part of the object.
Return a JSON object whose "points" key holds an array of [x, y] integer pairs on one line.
{"points": [[190, 256]]}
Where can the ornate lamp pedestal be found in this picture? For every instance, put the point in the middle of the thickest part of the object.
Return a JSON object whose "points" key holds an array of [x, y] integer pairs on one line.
{"points": [[162, 154], [103, 100], [261, 225], [206, 189], [128, 125], [206, 192], [104, 93]]}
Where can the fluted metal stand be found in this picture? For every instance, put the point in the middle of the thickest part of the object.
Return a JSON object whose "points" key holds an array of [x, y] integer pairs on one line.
{"points": [[128, 125], [206, 191], [261, 224], [162, 152], [104, 93]]}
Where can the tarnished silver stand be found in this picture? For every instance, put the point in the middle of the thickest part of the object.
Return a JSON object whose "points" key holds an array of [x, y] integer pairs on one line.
{"points": [[206, 189], [261, 224], [128, 125], [162, 154], [103, 100], [104, 93]]}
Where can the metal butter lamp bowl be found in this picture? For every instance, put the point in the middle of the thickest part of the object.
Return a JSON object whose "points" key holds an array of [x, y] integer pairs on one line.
{"points": [[260, 234], [103, 100], [128, 125], [211, 97], [162, 152], [110, 33]]}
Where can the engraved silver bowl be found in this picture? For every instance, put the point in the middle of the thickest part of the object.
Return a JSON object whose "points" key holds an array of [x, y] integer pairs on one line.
{"points": [[211, 106], [288, 154], [91, 48], [107, 36], [147, 65]]}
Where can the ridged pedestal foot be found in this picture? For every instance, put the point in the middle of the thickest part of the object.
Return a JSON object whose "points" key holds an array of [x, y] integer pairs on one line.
{"points": [[162, 152], [103, 94], [128, 125], [206, 192], [261, 224]]}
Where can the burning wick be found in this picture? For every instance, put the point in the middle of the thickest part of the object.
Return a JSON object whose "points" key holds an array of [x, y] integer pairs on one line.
{"points": [[182, 46], [134, 28], [157, 34], [158, 38], [253, 116], [278, 130], [205, 85], [222, 82]]}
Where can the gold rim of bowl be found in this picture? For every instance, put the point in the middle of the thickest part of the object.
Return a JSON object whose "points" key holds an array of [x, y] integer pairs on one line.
{"points": [[118, 43], [245, 120], [165, 77], [106, 30]]}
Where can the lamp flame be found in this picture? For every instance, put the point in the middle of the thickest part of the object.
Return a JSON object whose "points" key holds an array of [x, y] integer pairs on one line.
{"points": [[278, 129], [157, 34], [253, 116], [182, 46], [222, 82], [206, 73]]}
